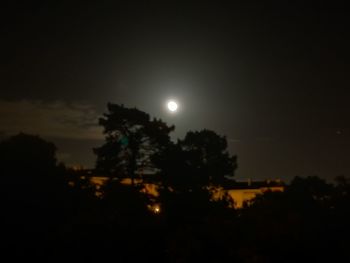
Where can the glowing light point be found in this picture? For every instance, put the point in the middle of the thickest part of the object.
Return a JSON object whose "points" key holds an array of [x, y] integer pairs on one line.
{"points": [[172, 106]]}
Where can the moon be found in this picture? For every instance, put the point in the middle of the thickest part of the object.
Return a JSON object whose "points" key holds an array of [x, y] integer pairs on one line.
{"points": [[172, 106]]}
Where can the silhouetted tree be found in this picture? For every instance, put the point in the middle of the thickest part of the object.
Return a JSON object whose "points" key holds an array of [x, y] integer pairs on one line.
{"points": [[208, 157], [27, 153], [311, 186], [340, 210], [199, 160], [29, 168], [307, 222], [188, 169], [131, 139], [36, 200]]}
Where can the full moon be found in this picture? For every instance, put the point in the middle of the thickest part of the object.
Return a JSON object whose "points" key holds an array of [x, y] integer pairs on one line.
{"points": [[172, 106]]}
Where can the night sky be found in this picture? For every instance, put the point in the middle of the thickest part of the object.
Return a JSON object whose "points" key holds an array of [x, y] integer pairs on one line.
{"points": [[273, 78]]}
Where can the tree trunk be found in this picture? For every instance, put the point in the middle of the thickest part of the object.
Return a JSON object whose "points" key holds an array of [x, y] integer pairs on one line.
{"points": [[132, 164]]}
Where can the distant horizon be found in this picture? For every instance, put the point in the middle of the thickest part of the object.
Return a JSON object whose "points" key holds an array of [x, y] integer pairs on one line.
{"points": [[79, 152]]}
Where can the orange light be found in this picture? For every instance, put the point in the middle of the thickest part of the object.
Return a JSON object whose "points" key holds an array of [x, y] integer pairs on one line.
{"points": [[156, 209]]}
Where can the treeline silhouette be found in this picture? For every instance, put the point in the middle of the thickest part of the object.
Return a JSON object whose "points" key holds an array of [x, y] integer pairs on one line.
{"points": [[51, 213]]}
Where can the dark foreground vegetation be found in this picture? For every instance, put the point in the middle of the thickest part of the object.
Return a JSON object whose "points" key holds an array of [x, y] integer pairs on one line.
{"points": [[51, 213]]}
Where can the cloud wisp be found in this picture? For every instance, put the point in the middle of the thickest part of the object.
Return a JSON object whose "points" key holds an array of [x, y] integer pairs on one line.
{"points": [[58, 119]]}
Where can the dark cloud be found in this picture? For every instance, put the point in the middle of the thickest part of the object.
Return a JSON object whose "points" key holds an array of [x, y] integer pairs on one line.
{"points": [[58, 119]]}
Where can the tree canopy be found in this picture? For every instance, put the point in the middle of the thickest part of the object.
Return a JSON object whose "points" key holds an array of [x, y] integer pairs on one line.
{"points": [[27, 153], [132, 137], [200, 160]]}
